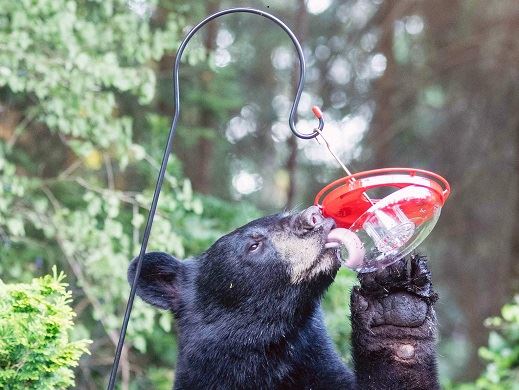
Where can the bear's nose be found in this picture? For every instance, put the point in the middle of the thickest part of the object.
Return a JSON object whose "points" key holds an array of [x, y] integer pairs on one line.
{"points": [[311, 217]]}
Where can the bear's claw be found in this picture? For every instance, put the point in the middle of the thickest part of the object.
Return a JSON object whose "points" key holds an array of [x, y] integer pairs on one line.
{"points": [[400, 295], [399, 277]]}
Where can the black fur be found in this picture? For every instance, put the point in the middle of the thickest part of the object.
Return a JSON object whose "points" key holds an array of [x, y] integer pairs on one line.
{"points": [[245, 323]]}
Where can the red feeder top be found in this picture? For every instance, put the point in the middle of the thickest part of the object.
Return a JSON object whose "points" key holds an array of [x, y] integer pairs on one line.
{"points": [[345, 201]]}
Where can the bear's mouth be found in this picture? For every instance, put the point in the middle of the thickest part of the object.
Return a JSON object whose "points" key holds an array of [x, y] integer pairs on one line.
{"points": [[331, 244], [314, 257]]}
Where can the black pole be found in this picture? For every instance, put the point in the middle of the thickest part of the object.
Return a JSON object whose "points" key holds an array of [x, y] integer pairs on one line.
{"points": [[169, 146]]}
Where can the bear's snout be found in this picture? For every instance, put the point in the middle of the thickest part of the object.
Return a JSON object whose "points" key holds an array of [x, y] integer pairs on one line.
{"points": [[312, 218]]}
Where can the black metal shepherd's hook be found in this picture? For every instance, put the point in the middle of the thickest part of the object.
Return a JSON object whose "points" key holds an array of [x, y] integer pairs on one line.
{"points": [[169, 145]]}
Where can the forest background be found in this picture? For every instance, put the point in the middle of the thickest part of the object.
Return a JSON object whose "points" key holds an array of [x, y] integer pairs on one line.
{"points": [[85, 107]]}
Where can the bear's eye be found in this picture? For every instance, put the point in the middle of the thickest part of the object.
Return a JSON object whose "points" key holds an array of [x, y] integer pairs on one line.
{"points": [[254, 246]]}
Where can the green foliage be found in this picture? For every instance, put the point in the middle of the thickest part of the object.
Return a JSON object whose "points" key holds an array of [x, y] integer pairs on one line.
{"points": [[336, 307], [153, 378], [80, 143], [35, 349], [501, 354], [75, 78], [70, 58], [85, 104]]}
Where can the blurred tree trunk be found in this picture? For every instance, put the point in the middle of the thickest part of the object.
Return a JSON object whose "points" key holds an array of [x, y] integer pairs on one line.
{"points": [[514, 255], [300, 28], [442, 20], [384, 88], [201, 171], [460, 44]]}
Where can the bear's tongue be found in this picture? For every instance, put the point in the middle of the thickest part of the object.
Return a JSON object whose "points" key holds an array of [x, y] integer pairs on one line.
{"points": [[351, 242], [337, 237]]}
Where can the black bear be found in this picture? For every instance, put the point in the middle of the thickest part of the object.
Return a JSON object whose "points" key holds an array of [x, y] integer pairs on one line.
{"points": [[248, 312]]}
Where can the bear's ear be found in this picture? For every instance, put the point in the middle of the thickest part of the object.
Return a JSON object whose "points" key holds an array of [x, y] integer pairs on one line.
{"points": [[158, 282]]}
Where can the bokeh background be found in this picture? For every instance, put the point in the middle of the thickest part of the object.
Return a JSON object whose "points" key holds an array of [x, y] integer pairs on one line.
{"points": [[85, 107]]}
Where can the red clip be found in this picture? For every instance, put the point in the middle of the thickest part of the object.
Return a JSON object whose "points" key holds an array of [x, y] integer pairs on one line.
{"points": [[317, 112]]}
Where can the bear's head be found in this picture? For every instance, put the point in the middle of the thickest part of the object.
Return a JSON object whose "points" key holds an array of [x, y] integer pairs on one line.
{"points": [[272, 269]]}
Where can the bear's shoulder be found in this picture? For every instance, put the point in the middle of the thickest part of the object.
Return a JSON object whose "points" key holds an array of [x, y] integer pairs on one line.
{"points": [[305, 358]]}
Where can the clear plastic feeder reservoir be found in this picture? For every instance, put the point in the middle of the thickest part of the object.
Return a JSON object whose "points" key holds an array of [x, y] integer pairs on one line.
{"points": [[374, 233]]}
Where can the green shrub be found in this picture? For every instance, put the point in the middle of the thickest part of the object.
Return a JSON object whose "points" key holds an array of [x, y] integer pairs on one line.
{"points": [[502, 353], [35, 350]]}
